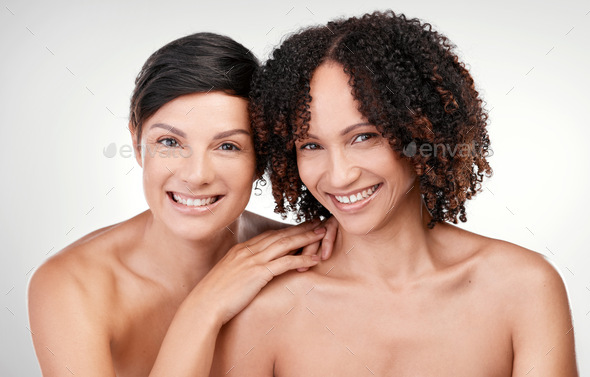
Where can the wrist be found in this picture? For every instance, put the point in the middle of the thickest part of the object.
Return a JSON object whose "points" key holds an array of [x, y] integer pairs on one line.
{"points": [[203, 309]]}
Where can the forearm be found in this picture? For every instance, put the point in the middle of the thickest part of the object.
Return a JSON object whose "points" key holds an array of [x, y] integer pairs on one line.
{"points": [[189, 344], [226, 290]]}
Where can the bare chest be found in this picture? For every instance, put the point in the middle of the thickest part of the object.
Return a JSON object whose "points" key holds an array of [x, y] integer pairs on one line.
{"points": [[387, 335], [141, 327]]}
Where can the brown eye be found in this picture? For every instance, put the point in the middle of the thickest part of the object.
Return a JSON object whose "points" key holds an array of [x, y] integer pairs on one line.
{"points": [[310, 146], [363, 137], [229, 147]]}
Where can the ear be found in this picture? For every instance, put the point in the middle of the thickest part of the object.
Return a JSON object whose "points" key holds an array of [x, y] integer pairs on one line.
{"points": [[136, 146]]}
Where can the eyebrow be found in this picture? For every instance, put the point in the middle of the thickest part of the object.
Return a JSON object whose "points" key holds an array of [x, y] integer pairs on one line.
{"points": [[229, 133], [169, 128], [180, 133], [346, 130]]}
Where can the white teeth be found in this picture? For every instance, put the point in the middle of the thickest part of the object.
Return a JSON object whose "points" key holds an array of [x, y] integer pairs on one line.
{"points": [[358, 196], [194, 202]]}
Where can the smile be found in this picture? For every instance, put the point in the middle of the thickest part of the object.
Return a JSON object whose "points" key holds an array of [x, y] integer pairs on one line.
{"points": [[192, 201], [358, 196]]}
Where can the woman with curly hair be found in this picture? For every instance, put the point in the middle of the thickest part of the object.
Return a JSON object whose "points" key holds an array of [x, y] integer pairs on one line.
{"points": [[376, 121]]}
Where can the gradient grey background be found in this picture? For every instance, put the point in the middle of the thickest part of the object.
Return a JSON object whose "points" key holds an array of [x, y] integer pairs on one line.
{"points": [[67, 72]]}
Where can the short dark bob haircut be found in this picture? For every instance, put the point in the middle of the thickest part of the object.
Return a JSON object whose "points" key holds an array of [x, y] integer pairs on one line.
{"points": [[197, 63], [408, 82]]}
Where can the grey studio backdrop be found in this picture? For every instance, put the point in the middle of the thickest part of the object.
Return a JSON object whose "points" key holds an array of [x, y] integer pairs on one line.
{"points": [[67, 72]]}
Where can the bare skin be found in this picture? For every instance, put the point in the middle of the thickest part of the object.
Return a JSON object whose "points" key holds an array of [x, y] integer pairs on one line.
{"points": [[396, 298], [123, 300], [108, 269], [108, 259], [469, 315]]}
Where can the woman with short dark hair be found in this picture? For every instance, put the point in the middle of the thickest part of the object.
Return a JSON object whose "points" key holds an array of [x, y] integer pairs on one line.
{"points": [[124, 299]]}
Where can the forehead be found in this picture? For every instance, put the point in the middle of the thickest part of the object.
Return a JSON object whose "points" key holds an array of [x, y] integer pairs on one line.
{"points": [[214, 110], [329, 81], [333, 104]]}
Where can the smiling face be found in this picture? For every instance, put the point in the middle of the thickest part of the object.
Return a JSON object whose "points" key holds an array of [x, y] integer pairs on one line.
{"points": [[198, 163], [345, 162]]}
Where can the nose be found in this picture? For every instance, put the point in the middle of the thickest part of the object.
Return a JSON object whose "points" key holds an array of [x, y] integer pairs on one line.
{"points": [[343, 170], [196, 168]]}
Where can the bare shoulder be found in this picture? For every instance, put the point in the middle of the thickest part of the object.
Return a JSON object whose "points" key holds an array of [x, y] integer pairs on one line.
{"points": [[515, 270], [81, 266], [81, 277], [70, 270], [252, 224], [71, 297], [501, 271], [273, 301], [528, 286], [532, 297]]}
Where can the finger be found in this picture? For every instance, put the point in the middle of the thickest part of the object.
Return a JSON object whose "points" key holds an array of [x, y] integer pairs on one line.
{"points": [[256, 243], [292, 262], [261, 243], [285, 245], [311, 249], [328, 241], [256, 239]]}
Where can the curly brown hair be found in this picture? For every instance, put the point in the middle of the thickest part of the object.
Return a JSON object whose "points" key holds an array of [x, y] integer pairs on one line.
{"points": [[408, 82]]}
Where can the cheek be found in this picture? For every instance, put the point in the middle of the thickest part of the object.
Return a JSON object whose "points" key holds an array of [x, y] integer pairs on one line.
{"points": [[150, 168], [239, 172], [394, 166], [309, 171], [154, 176], [154, 172]]}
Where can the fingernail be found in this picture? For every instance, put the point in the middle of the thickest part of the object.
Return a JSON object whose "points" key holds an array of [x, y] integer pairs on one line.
{"points": [[320, 230], [302, 269], [324, 253], [315, 258]]}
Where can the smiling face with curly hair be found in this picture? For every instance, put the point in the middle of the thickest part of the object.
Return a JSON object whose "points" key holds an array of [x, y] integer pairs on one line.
{"points": [[407, 82], [345, 162], [375, 120]]}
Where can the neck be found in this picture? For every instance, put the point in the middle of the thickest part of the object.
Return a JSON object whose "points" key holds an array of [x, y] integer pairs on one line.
{"points": [[180, 261], [399, 250]]}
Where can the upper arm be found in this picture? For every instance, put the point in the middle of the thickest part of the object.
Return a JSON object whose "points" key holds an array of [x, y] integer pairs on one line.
{"points": [[68, 332], [543, 335]]}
